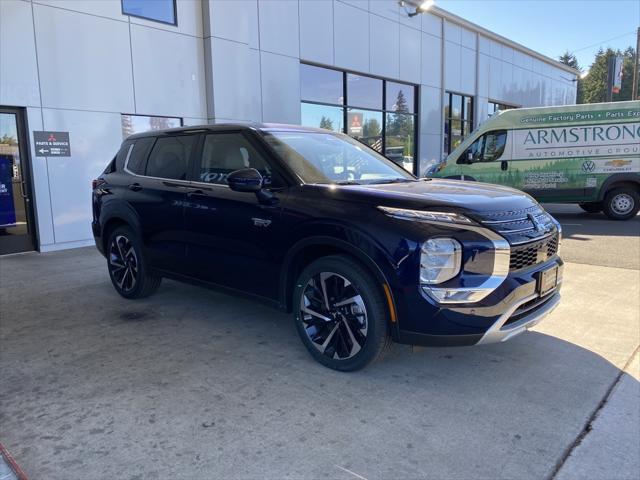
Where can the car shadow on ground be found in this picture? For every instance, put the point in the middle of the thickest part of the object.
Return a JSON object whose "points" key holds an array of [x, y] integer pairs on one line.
{"points": [[579, 224], [192, 383]]}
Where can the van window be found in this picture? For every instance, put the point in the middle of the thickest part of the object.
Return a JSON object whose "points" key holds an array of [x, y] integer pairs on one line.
{"points": [[487, 148], [170, 157]]}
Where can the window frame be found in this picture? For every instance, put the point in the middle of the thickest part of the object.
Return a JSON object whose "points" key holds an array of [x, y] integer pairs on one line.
{"points": [[149, 116], [448, 119], [175, 15], [461, 160], [507, 106], [196, 148], [346, 106]]}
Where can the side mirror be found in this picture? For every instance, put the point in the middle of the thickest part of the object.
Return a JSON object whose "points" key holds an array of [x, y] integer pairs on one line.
{"points": [[469, 157], [245, 180]]}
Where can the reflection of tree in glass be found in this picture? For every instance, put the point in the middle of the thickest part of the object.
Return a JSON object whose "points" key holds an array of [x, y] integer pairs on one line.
{"points": [[127, 126], [8, 140], [371, 128], [326, 123], [158, 123]]}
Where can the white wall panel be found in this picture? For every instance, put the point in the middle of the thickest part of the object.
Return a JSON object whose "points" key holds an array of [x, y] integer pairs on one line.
{"points": [[316, 38], [431, 24], [495, 79], [87, 74], [507, 54], [506, 81], [95, 139], [363, 4], [431, 60], [496, 49], [384, 40], [482, 109], [40, 177], [430, 151], [484, 45], [18, 70], [468, 38], [483, 75], [230, 19], [410, 54], [430, 110], [278, 21], [173, 84], [351, 37], [236, 80], [103, 8], [189, 16], [280, 88], [452, 32], [467, 71], [452, 63], [385, 8]]}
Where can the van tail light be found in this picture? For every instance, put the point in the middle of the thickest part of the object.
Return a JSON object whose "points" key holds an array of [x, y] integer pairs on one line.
{"points": [[97, 183]]}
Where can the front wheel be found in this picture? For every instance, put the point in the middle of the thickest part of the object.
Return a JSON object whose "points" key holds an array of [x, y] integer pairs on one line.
{"points": [[340, 313], [621, 203], [127, 268], [591, 207]]}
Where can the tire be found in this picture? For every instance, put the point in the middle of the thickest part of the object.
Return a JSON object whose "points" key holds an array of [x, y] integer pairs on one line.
{"points": [[357, 332], [127, 268], [621, 203], [591, 207]]}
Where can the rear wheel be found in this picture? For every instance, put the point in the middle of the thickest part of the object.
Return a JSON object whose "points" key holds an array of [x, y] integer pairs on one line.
{"points": [[591, 207], [340, 313], [621, 203], [127, 268]]}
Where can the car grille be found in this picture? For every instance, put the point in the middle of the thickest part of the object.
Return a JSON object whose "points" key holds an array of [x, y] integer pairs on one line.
{"points": [[520, 226], [523, 256], [527, 309]]}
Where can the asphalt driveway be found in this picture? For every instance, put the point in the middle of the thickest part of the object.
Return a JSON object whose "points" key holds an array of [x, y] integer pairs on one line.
{"points": [[194, 384]]}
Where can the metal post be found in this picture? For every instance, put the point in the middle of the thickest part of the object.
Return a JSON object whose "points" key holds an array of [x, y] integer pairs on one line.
{"points": [[634, 87], [611, 67]]}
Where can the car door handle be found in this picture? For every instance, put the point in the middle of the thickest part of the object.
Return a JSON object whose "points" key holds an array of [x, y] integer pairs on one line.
{"points": [[196, 192], [136, 187]]}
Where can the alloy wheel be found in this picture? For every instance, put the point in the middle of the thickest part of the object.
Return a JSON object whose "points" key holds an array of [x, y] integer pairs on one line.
{"points": [[622, 203], [334, 315], [123, 263]]}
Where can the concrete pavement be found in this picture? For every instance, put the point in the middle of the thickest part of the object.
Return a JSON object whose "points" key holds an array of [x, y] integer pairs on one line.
{"points": [[194, 384]]}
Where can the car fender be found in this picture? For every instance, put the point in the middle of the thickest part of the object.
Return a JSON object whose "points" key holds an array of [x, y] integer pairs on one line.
{"points": [[630, 177]]}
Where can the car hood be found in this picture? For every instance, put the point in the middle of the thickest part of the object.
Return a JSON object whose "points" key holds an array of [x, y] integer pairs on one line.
{"points": [[469, 196]]}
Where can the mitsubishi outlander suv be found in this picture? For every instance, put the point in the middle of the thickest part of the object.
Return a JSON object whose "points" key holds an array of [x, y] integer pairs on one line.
{"points": [[359, 250]]}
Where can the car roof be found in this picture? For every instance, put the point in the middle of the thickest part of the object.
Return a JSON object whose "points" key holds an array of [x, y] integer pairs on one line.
{"points": [[217, 127]]}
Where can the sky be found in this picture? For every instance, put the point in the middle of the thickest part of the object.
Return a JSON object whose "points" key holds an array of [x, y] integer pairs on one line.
{"points": [[553, 26]]}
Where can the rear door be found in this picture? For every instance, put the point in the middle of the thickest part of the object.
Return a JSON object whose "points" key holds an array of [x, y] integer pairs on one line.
{"points": [[157, 193], [232, 235]]}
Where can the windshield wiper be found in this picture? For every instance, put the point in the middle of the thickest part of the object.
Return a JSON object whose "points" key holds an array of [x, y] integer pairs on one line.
{"points": [[346, 182], [393, 180]]}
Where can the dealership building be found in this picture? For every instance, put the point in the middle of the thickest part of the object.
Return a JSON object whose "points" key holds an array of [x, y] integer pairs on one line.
{"points": [[76, 77]]}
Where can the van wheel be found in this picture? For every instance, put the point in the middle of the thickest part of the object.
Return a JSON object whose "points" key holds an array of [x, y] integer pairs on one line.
{"points": [[591, 207], [340, 313], [621, 203], [127, 268]]}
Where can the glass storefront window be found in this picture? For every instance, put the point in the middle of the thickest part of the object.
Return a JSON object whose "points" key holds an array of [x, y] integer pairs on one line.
{"points": [[365, 126], [163, 11], [322, 85], [377, 112], [400, 139], [322, 116], [364, 92], [400, 97], [458, 119], [141, 123]]}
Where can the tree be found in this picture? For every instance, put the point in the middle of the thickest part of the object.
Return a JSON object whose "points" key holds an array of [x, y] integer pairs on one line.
{"points": [[371, 128], [570, 60], [594, 85], [326, 123]]}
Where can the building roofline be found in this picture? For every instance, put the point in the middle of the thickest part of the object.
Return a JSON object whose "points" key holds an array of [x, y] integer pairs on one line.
{"points": [[439, 12]]}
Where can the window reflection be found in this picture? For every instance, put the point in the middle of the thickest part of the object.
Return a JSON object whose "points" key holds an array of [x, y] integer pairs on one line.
{"points": [[366, 126], [458, 120], [400, 139], [142, 123], [163, 11], [321, 85], [400, 97], [322, 116], [364, 92]]}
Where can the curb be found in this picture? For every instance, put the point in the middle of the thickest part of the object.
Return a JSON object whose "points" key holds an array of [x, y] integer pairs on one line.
{"points": [[6, 456]]}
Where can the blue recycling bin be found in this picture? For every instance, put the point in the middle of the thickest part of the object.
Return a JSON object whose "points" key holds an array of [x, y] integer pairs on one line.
{"points": [[7, 207]]}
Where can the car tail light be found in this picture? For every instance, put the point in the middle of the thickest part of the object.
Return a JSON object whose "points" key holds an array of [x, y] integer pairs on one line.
{"points": [[97, 183]]}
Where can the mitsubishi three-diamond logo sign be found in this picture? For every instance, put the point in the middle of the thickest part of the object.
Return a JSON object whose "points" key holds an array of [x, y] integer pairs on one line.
{"points": [[52, 144]]}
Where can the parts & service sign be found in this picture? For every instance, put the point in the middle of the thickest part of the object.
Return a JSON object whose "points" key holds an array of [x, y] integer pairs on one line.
{"points": [[52, 144]]}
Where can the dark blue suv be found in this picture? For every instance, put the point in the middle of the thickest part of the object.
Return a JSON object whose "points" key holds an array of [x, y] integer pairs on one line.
{"points": [[320, 225]]}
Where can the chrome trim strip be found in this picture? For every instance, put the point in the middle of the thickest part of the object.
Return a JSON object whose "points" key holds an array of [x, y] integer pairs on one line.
{"points": [[497, 333], [533, 240], [497, 222]]}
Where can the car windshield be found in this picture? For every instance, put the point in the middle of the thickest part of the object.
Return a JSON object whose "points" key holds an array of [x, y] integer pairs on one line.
{"points": [[318, 157]]}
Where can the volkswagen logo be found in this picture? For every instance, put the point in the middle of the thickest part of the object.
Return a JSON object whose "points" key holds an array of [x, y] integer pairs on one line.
{"points": [[588, 166]]}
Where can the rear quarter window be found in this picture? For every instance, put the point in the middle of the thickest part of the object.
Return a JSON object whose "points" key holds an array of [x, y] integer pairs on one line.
{"points": [[170, 156], [138, 157], [121, 156]]}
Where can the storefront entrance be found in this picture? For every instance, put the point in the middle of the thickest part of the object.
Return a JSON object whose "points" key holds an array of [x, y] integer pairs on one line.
{"points": [[17, 230]]}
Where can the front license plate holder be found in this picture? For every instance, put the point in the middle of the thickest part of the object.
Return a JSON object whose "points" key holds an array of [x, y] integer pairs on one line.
{"points": [[547, 280]]}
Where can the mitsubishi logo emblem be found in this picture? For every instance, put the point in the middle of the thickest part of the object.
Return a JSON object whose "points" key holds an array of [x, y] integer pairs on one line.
{"points": [[538, 225]]}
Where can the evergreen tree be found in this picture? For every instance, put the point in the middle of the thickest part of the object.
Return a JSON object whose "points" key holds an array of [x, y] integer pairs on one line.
{"points": [[570, 60], [326, 123], [371, 128], [594, 85]]}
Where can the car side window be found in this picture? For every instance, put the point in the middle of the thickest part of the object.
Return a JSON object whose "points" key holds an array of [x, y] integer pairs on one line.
{"points": [[170, 157], [487, 148], [224, 153]]}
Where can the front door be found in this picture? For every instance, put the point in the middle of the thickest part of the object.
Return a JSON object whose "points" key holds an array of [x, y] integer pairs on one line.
{"points": [[231, 235], [17, 229]]}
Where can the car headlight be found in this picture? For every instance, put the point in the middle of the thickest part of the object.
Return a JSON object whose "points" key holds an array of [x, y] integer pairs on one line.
{"points": [[421, 215], [440, 260]]}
